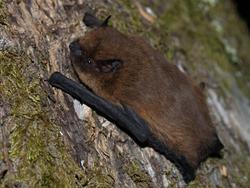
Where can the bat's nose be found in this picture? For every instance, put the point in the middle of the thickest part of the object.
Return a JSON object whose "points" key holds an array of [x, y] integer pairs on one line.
{"points": [[75, 48]]}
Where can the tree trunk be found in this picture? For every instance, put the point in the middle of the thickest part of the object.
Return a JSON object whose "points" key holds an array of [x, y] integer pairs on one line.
{"points": [[50, 140]]}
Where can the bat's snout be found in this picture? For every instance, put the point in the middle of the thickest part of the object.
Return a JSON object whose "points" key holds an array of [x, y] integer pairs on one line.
{"points": [[75, 48]]}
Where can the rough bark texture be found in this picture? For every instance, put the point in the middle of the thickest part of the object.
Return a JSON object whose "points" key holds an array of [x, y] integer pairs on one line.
{"points": [[49, 140]]}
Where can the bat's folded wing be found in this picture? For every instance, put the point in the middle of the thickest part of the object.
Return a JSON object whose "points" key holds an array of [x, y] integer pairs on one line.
{"points": [[122, 115]]}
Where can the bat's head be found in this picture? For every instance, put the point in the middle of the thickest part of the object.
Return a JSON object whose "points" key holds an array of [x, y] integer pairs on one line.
{"points": [[95, 52], [101, 53], [98, 50]]}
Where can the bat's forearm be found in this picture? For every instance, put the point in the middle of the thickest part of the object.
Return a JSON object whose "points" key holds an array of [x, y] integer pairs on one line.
{"points": [[124, 116]]}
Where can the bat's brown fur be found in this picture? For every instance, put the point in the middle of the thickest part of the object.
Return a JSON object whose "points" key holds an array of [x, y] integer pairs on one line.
{"points": [[174, 107]]}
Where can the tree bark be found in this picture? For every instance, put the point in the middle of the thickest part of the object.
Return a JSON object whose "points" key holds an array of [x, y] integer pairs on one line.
{"points": [[50, 140]]}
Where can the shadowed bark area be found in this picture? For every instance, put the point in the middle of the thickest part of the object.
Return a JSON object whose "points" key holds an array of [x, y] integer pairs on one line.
{"points": [[47, 139]]}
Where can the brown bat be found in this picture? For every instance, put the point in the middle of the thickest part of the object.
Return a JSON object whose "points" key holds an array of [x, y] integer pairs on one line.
{"points": [[131, 84]]}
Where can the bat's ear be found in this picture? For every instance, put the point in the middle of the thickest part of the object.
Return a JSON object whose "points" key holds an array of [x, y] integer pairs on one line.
{"points": [[91, 21], [110, 65]]}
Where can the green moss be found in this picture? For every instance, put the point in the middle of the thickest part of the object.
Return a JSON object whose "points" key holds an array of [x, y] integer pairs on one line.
{"points": [[236, 39], [130, 23], [139, 177], [36, 148], [206, 46], [196, 184], [240, 170], [37, 163], [237, 172], [3, 12], [99, 176]]}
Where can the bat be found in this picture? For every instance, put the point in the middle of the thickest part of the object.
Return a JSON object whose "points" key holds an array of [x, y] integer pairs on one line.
{"points": [[130, 83]]}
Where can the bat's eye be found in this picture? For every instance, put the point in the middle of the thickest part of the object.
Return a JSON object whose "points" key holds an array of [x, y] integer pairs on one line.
{"points": [[89, 61]]}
